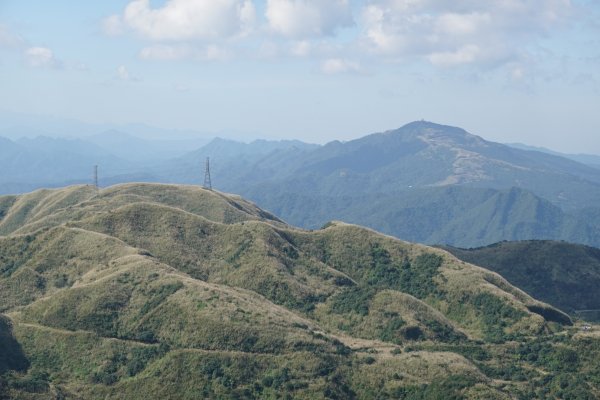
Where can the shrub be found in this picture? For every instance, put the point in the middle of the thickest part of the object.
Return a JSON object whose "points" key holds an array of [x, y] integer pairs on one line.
{"points": [[391, 331], [355, 299]]}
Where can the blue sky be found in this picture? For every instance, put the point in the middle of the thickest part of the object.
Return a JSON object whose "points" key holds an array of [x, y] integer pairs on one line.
{"points": [[508, 70]]}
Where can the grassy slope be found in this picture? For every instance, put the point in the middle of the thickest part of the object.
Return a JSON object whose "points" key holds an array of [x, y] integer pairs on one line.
{"points": [[155, 289], [562, 274], [45, 208], [280, 263]]}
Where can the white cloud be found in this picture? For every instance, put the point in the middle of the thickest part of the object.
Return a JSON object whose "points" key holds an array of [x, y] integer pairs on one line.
{"points": [[461, 24], [184, 51], [308, 18], [339, 66], [123, 74], [38, 57], [301, 48], [458, 32], [185, 19], [215, 53], [465, 55], [446, 34]]}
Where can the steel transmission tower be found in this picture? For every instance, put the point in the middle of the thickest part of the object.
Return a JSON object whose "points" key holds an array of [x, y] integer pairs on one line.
{"points": [[207, 182], [96, 177]]}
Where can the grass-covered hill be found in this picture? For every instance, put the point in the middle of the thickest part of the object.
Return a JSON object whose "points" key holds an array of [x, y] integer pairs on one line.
{"points": [[563, 274], [163, 291]]}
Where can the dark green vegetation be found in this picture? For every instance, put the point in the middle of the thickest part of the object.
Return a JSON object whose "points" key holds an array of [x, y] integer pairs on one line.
{"points": [[562, 274], [457, 215], [158, 291]]}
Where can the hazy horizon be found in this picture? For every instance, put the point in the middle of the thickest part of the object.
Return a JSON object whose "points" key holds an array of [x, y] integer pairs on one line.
{"points": [[157, 133]]}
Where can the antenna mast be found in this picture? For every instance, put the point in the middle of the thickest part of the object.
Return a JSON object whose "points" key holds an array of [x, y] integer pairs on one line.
{"points": [[96, 177], [207, 182]]}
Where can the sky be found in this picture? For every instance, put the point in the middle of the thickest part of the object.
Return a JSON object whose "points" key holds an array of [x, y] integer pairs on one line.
{"points": [[317, 70]]}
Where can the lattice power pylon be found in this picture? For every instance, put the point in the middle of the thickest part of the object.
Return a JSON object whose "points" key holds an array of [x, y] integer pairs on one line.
{"points": [[207, 181], [96, 177]]}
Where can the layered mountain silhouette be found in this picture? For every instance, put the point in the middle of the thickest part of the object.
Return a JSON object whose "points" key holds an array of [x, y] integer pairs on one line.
{"points": [[423, 182]]}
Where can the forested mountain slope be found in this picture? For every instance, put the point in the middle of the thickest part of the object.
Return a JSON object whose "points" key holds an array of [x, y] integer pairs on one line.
{"points": [[563, 274]]}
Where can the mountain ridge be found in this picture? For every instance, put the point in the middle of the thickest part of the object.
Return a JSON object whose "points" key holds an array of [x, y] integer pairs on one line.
{"points": [[562, 274], [592, 160]]}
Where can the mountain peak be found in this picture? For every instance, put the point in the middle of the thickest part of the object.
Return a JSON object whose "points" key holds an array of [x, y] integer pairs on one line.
{"points": [[432, 132], [432, 127], [423, 124]]}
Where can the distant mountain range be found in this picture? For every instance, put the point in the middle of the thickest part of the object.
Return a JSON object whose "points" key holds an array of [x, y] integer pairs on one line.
{"points": [[423, 182], [138, 150], [589, 159], [42, 161]]}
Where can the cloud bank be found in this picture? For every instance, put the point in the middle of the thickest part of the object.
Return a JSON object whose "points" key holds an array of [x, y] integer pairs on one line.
{"points": [[184, 19], [458, 32], [39, 57], [308, 18], [444, 34]]}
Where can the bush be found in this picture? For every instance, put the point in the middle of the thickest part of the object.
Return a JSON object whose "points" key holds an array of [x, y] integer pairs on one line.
{"points": [[355, 299], [412, 333], [496, 315], [414, 278], [159, 295], [449, 388], [391, 331], [35, 382]]}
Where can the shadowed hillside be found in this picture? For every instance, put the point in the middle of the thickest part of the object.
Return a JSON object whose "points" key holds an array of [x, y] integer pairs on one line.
{"points": [[145, 291], [563, 274]]}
